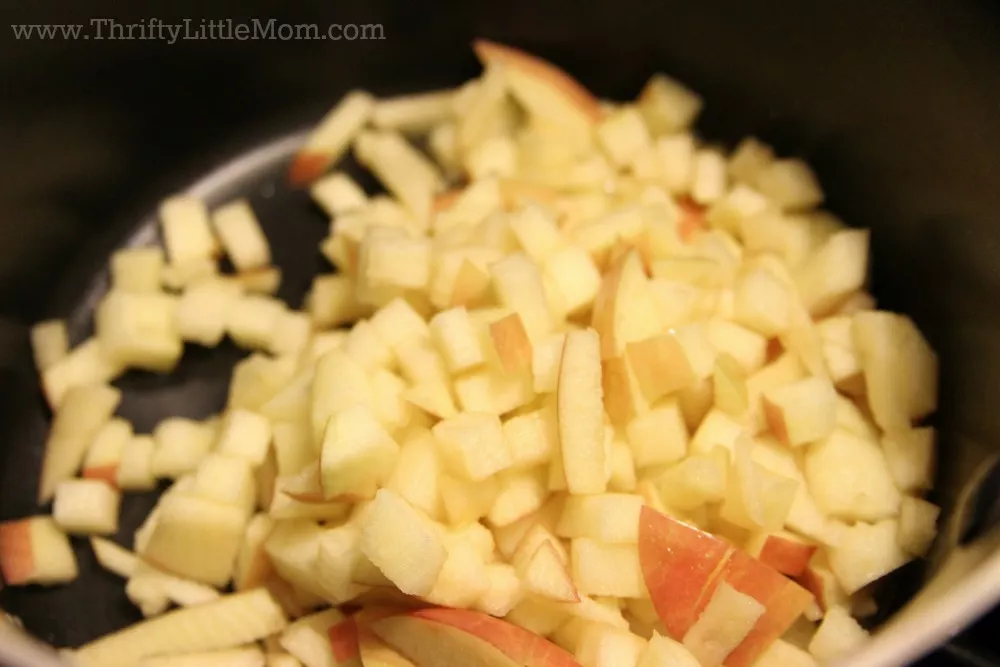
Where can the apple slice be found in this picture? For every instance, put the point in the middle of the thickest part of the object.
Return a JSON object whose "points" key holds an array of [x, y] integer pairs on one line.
{"points": [[581, 413], [680, 565], [545, 90], [518, 646], [230, 622], [35, 551], [431, 644], [723, 625], [785, 552], [253, 566], [331, 137], [625, 309], [81, 415], [784, 600], [113, 558]]}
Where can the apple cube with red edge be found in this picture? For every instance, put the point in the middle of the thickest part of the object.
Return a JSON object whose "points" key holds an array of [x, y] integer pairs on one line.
{"points": [[35, 551], [344, 642], [784, 551]]}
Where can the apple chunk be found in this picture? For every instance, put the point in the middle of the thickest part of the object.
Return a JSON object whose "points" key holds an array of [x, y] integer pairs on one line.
{"points": [[785, 552], [35, 551], [357, 456], [801, 412], [581, 413], [402, 543], [726, 621], [849, 478]]}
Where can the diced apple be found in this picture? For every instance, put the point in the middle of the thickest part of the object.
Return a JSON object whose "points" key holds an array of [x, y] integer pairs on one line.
{"points": [[331, 137], [661, 365], [801, 412], [917, 525], [901, 369], [849, 478], [358, 455], [308, 638], [696, 481], [665, 652], [35, 551], [333, 301], [624, 309], [139, 330], [517, 281], [716, 429], [402, 543], [503, 591], [532, 437], [838, 635], [659, 436], [472, 445], [462, 580], [197, 539], [113, 558], [724, 623], [86, 364], [623, 397], [253, 319], [756, 497], [521, 493], [866, 552], [338, 193], [511, 343], [230, 622], [86, 507], [910, 457], [729, 382], [581, 413], [784, 654], [456, 338], [253, 565], [105, 452], [187, 235], [607, 569], [82, 414], [575, 277], [667, 106], [181, 444], [135, 471], [417, 474], [606, 646], [49, 343], [250, 656], [152, 590], [835, 270], [241, 236], [610, 517], [246, 435], [785, 552], [465, 500]]}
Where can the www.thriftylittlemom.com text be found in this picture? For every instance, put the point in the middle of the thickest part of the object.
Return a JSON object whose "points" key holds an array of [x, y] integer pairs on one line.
{"points": [[199, 29]]}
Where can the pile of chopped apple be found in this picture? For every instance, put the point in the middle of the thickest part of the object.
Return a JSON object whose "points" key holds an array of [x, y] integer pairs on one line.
{"points": [[583, 390]]}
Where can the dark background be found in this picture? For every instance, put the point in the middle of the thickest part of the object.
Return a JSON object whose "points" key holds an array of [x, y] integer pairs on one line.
{"points": [[896, 103]]}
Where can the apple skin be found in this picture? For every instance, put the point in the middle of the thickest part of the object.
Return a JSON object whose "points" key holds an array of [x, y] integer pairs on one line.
{"points": [[17, 562], [680, 565], [575, 94], [344, 642], [307, 167], [692, 219], [786, 554], [520, 645]]}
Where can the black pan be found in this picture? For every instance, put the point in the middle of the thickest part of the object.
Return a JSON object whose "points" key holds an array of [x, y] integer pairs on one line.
{"points": [[896, 103]]}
